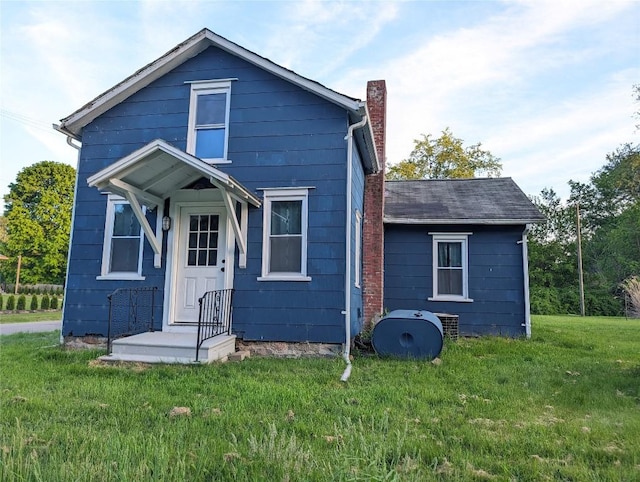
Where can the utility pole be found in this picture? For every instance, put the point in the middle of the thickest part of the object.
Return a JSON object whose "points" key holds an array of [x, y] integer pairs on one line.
{"points": [[15, 290], [580, 274]]}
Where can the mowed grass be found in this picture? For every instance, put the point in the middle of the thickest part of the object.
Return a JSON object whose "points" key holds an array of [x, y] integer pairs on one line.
{"points": [[564, 405], [49, 315]]}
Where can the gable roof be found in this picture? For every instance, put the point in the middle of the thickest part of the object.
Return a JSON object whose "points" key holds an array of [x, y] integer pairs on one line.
{"points": [[458, 201], [72, 125]]}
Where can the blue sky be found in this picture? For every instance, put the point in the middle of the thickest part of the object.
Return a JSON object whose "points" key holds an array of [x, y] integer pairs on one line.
{"points": [[545, 86]]}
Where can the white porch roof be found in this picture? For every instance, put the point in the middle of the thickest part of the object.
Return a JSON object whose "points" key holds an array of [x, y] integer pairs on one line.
{"points": [[154, 171], [149, 175]]}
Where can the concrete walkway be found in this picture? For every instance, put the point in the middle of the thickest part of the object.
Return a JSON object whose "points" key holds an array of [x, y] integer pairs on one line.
{"points": [[30, 327]]}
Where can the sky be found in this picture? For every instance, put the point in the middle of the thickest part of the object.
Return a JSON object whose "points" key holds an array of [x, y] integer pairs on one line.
{"points": [[544, 86]]}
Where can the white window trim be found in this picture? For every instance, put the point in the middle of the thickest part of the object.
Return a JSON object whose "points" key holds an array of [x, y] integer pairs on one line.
{"points": [[203, 88], [284, 194], [451, 238], [112, 200], [358, 250]]}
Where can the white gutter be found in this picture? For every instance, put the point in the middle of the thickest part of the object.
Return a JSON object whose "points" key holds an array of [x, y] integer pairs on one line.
{"points": [[73, 217], [525, 272], [347, 273]]}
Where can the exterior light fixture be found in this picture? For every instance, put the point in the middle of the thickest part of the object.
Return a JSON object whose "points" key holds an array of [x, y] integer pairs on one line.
{"points": [[166, 223]]}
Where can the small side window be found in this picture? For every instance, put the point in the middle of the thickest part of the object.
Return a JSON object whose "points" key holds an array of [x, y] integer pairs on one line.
{"points": [[123, 236], [358, 250], [450, 267]]}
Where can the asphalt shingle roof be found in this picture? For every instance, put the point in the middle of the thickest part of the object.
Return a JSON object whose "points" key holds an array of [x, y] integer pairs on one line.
{"points": [[458, 201]]}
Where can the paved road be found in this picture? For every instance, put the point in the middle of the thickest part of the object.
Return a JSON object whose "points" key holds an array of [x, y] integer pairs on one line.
{"points": [[31, 327]]}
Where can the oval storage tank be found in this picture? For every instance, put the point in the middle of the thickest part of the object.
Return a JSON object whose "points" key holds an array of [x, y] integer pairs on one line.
{"points": [[408, 334]]}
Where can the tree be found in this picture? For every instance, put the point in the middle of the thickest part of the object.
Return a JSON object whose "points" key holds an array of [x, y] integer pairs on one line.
{"points": [[38, 221], [610, 214], [444, 158]]}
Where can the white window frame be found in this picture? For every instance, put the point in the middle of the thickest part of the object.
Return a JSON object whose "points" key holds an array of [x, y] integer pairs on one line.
{"points": [[112, 201], [284, 194], [358, 250], [203, 88], [463, 239]]}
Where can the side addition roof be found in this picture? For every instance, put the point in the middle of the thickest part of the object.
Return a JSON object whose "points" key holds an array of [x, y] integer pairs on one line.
{"points": [[497, 201], [72, 125]]}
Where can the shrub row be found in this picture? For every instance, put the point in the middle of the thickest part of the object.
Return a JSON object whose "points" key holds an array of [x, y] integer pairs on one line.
{"points": [[44, 302], [51, 290]]}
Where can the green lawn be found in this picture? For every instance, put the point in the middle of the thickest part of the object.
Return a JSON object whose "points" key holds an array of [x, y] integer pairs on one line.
{"points": [[51, 315], [562, 406]]}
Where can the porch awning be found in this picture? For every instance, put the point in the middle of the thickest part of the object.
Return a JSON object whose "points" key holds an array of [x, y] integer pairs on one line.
{"points": [[149, 175]]}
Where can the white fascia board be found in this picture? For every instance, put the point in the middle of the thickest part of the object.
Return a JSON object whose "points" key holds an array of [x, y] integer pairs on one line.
{"points": [[74, 123], [497, 222], [132, 84]]}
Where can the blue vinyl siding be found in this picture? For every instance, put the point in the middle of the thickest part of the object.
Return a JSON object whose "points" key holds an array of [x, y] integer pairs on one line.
{"points": [[496, 282], [357, 204], [279, 136]]}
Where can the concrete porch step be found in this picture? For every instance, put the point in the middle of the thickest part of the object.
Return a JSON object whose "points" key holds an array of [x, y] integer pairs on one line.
{"points": [[164, 347]]}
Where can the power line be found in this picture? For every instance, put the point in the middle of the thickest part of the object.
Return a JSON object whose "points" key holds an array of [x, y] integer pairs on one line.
{"points": [[27, 121]]}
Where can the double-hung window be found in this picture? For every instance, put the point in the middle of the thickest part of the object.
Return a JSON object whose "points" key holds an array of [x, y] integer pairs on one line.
{"points": [[358, 250], [450, 267], [284, 253], [208, 133], [123, 242]]}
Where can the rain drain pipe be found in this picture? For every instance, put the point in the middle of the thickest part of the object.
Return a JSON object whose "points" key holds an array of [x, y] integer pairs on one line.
{"points": [[525, 272], [73, 217], [347, 274]]}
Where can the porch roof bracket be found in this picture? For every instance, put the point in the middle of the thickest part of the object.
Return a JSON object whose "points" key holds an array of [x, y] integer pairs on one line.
{"points": [[154, 240], [239, 233], [148, 198]]}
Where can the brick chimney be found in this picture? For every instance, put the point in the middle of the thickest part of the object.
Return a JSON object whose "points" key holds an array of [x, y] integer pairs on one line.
{"points": [[373, 230]]}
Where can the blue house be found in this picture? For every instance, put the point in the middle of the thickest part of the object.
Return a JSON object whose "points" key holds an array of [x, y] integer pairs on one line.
{"points": [[223, 198]]}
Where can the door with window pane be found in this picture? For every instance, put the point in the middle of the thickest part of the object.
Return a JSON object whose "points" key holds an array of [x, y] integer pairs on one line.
{"points": [[201, 259]]}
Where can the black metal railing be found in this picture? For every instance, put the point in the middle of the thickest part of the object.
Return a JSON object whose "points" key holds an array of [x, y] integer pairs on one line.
{"points": [[130, 312], [215, 315]]}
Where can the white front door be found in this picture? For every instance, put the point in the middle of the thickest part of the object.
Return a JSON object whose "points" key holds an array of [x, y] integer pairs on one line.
{"points": [[200, 259]]}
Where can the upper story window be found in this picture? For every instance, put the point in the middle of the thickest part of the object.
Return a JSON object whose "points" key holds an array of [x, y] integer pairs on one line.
{"points": [[208, 133], [123, 242], [450, 267], [284, 251]]}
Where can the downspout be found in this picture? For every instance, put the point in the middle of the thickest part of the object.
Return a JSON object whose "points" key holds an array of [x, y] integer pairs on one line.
{"points": [[73, 216], [525, 272], [347, 273]]}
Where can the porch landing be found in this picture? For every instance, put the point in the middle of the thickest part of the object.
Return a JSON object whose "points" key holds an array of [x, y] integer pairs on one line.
{"points": [[164, 347]]}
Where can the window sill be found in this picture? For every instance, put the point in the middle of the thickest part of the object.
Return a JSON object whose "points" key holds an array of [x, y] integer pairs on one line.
{"points": [[121, 276], [284, 278], [454, 299], [214, 162]]}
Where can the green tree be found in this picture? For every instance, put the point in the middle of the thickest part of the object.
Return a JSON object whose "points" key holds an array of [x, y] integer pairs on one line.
{"points": [[445, 157], [38, 221], [610, 213]]}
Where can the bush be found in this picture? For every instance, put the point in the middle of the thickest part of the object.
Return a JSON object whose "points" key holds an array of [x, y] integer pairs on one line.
{"points": [[54, 303], [22, 303], [11, 303], [34, 303], [44, 304], [0, 301]]}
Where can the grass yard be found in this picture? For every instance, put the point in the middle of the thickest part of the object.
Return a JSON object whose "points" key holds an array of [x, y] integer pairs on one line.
{"points": [[562, 406], [49, 315]]}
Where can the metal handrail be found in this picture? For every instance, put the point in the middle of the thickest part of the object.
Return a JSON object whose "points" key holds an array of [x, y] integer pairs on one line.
{"points": [[131, 311], [214, 317]]}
